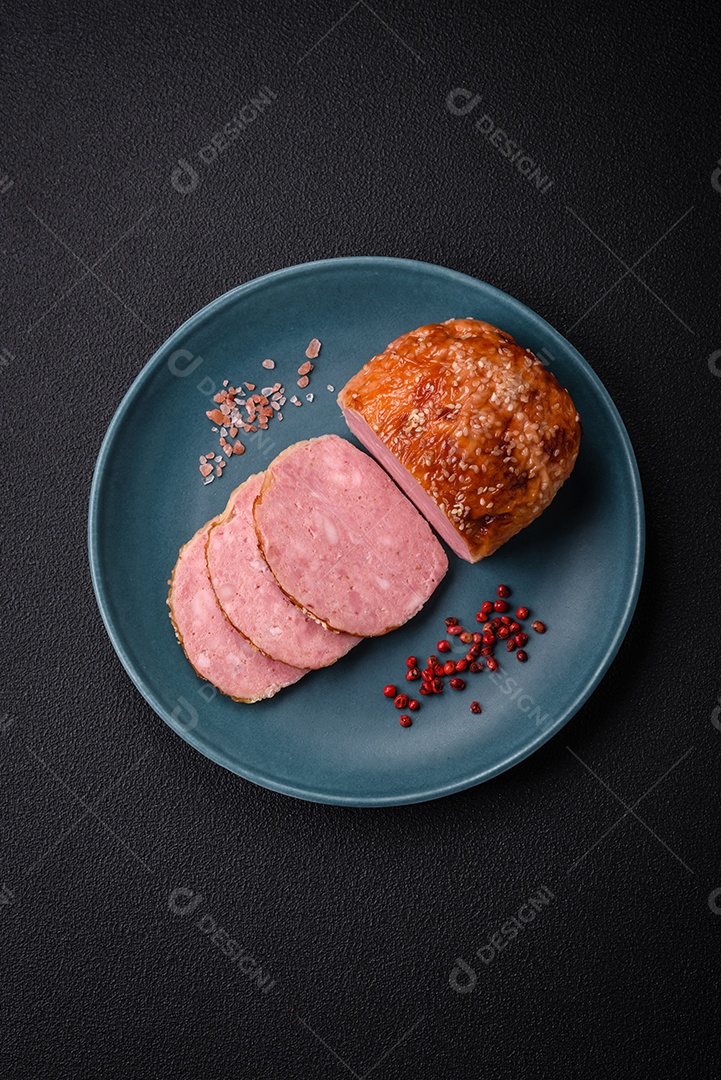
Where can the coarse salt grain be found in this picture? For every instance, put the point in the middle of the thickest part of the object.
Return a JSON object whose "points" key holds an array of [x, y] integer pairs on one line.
{"points": [[269, 363]]}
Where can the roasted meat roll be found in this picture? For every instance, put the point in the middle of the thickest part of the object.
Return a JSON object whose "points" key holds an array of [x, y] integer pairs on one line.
{"points": [[472, 427]]}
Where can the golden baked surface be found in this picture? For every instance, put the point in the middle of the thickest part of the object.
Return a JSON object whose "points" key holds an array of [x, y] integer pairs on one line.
{"points": [[479, 422]]}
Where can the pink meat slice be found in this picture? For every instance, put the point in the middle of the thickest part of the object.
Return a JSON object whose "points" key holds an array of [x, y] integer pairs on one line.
{"points": [[213, 646], [342, 541], [251, 598]]}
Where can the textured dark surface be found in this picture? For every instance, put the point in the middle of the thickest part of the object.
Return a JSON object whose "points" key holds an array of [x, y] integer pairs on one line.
{"points": [[358, 916]]}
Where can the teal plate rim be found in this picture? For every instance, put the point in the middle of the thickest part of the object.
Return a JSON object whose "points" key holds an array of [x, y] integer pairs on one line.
{"points": [[144, 686]]}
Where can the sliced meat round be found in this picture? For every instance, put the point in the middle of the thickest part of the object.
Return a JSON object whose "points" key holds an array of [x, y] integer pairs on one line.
{"points": [[215, 648], [342, 541], [251, 598]]}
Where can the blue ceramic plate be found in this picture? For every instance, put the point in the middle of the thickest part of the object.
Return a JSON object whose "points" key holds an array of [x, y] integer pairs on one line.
{"points": [[333, 737]]}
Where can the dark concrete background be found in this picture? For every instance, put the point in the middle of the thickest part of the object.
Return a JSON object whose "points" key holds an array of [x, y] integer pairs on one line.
{"points": [[357, 916]]}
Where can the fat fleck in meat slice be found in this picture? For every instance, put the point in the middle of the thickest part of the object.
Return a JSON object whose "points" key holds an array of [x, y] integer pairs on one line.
{"points": [[251, 598], [213, 646], [342, 541], [472, 427]]}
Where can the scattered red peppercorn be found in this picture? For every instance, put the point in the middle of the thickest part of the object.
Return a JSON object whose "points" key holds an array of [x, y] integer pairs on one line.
{"points": [[494, 626]]}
